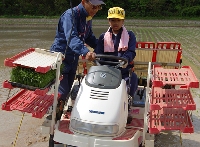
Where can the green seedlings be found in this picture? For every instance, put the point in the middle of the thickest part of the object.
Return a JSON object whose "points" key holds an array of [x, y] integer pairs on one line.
{"points": [[28, 76]]}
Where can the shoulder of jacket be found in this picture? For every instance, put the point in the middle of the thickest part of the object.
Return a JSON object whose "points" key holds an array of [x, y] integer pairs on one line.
{"points": [[130, 32], [68, 13], [102, 35]]}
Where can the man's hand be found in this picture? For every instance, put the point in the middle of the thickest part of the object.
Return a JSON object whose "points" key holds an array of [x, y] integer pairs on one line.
{"points": [[90, 56], [122, 65]]}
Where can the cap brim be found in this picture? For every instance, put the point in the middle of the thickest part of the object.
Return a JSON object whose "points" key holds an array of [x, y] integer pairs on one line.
{"points": [[96, 2], [115, 16]]}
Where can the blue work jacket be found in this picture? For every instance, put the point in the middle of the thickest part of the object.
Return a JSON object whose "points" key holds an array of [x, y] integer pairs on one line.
{"points": [[129, 54], [81, 33]]}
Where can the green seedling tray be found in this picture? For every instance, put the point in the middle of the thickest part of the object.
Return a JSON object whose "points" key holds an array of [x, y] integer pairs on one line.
{"points": [[28, 78]]}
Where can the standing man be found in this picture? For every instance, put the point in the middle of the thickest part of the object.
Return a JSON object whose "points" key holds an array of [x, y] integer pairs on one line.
{"points": [[73, 31]]}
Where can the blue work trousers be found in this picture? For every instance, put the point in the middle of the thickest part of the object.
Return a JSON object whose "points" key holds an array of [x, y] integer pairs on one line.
{"points": [[133, 84], [68, 72]]}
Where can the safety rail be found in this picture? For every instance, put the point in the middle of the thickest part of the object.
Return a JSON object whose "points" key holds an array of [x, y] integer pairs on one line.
{"points": [[166, 54], [168, 57], [150, 52]]}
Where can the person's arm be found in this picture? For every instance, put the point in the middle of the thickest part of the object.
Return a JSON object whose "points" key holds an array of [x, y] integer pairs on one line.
{"points": [[75, 44], [91, 39], [130, 53], [100, 45]]}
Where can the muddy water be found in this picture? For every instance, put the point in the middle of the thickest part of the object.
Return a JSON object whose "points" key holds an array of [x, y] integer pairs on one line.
{"points": [[16, 39]]}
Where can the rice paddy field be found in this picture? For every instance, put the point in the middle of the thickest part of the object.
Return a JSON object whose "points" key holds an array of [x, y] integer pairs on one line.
{"points": [[187, 32], [183, 31], [17, 35]]}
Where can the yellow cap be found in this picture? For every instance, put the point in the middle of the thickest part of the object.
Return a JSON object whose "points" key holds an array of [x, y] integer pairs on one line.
{"points": [[116, 12]]}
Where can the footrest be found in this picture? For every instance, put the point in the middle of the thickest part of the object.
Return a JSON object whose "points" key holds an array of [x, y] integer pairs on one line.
{"points": [[27, 101], [138, 123], [64, 126], [182, 76], [138, 104], [170, 119], [139, 97], [129, 133], [171, 98]]}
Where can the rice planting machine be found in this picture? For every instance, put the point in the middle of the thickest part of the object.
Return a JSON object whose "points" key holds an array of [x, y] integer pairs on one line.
{"points": [[162, 101]]}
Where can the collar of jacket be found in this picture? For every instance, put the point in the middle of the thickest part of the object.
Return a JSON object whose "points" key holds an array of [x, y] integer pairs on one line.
{"points": [[110, 30], [82, 11]]}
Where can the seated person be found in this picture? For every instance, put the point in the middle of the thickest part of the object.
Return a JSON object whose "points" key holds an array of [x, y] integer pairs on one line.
{"points": [[119, 42]]}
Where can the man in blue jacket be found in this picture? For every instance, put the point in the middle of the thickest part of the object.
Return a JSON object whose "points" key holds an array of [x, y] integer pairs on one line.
{"points": [[118, 41], [73, 31]]}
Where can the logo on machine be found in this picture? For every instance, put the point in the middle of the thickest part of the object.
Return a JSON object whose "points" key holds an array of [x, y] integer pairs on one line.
{"points": [[103, 75], [97, 112]]}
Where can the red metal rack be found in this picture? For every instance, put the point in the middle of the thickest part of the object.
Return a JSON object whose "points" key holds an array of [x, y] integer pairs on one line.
{"points": [[27, 101], [182, 76], [170, 119], [40, 59], [32, 99], [171, 98], [169, 107], [41, 91]]}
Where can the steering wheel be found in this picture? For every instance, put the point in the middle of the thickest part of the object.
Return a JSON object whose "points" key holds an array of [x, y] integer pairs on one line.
{"points": [[121, 61]]}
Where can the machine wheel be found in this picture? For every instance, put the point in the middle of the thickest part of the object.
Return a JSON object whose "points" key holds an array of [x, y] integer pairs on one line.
{"points": [[51, 141]]}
